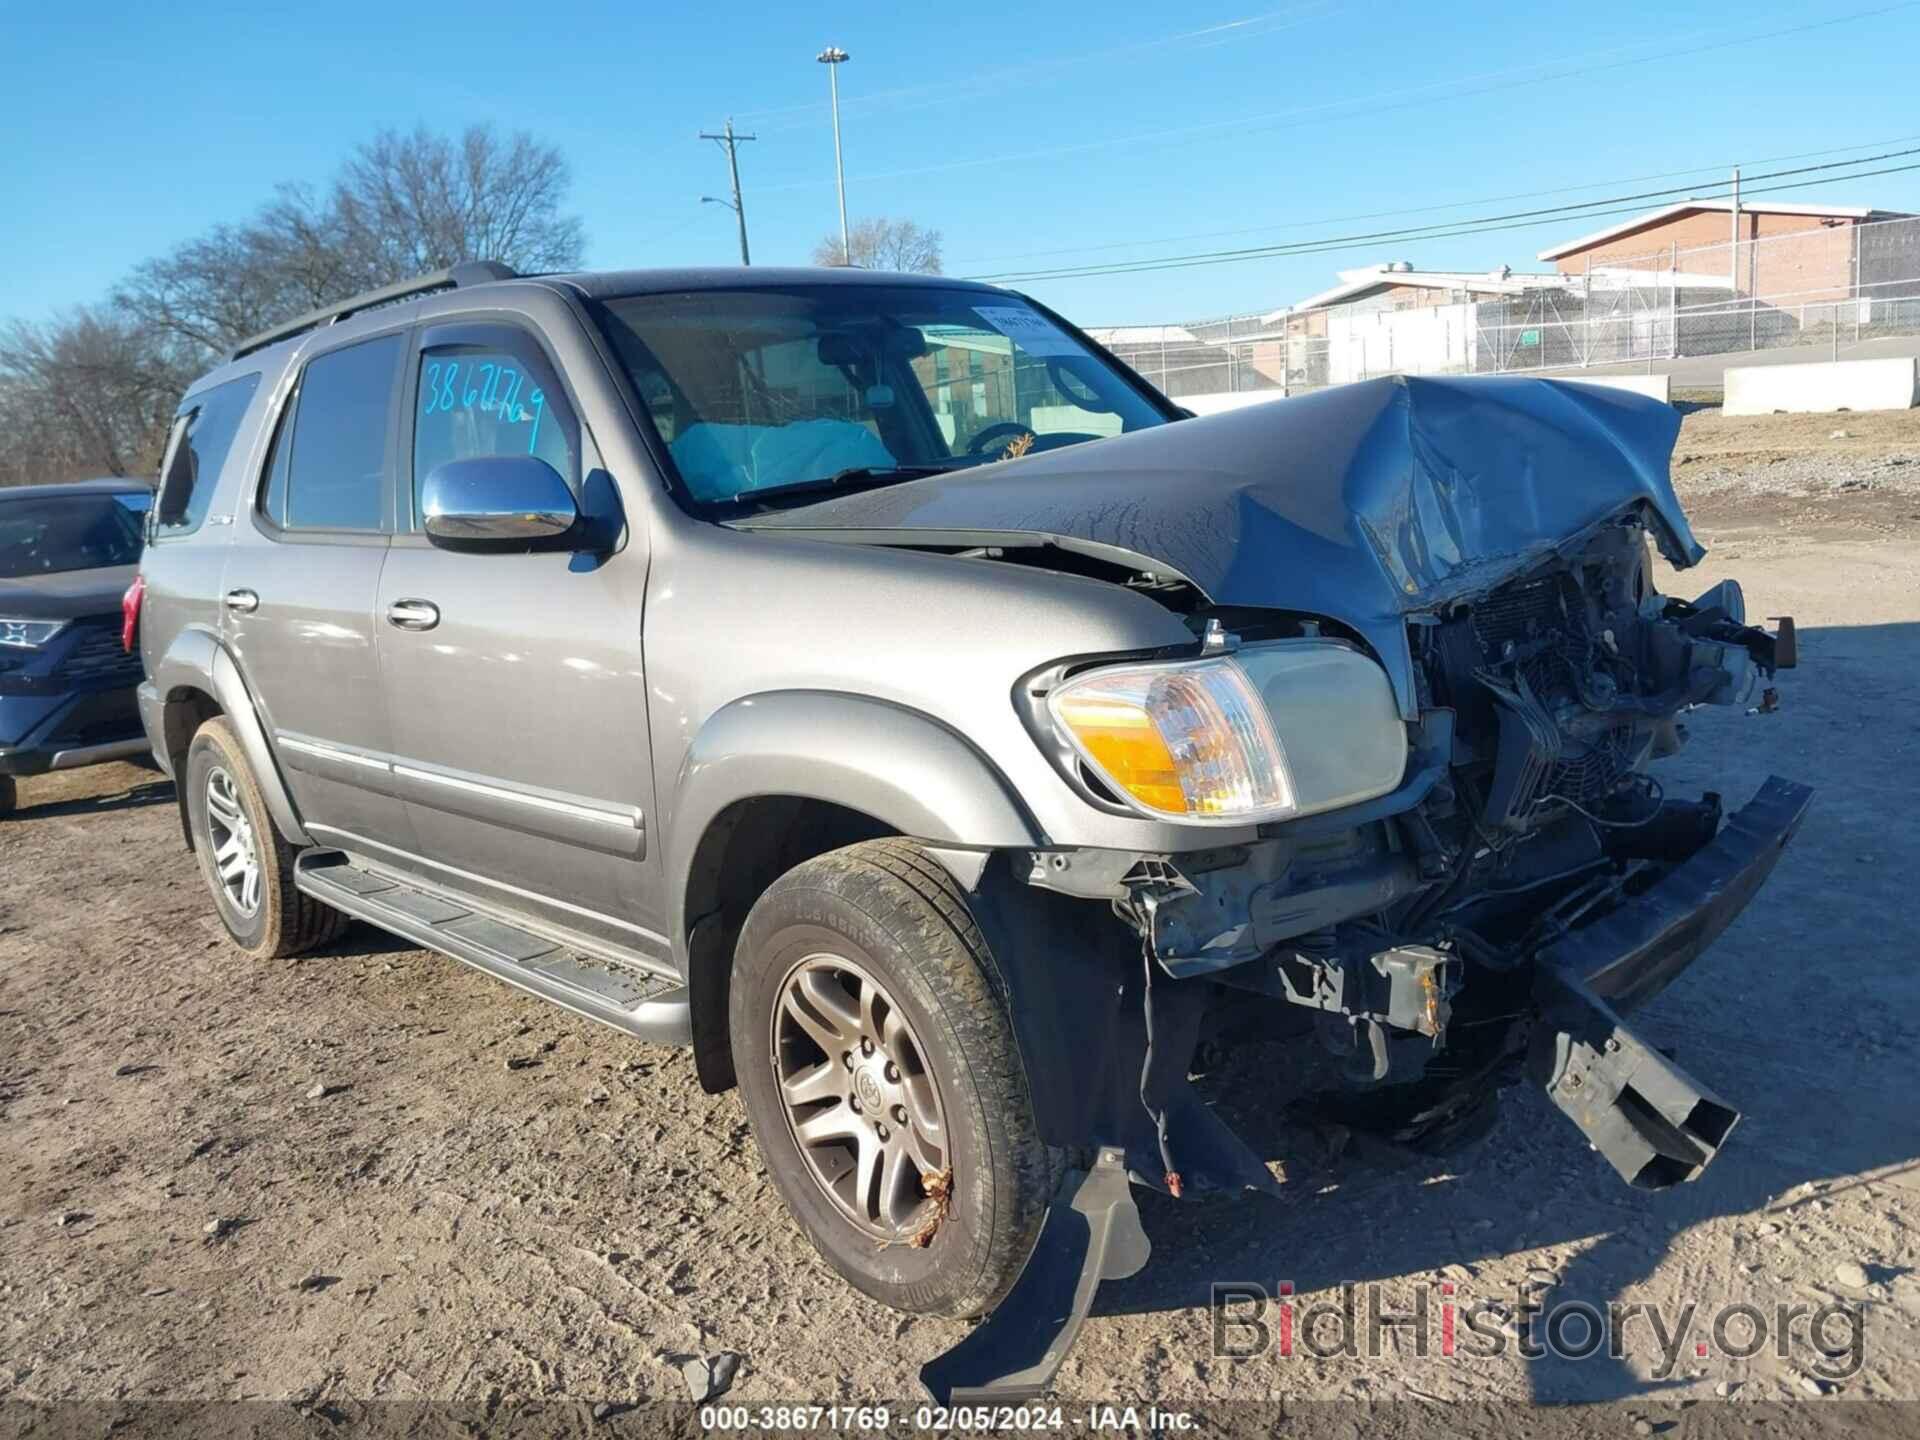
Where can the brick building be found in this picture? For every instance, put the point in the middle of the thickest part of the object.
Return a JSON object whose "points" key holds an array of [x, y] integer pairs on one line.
{"points": [[1804, 254]]}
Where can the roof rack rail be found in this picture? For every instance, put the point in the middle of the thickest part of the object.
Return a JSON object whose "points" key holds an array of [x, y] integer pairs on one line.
{"points": [[469, 272]]}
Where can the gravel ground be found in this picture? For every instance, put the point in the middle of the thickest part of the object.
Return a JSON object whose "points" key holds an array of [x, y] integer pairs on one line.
{"points": [[323, 1180]]}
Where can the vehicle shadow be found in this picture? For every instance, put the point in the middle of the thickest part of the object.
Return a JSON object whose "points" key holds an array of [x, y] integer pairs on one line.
{"points": [[1760, 1019], [134, 796], [361, 941]]}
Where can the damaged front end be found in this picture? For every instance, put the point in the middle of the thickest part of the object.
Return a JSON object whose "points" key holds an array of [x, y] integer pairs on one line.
{"points": [[1525, 883], [1512, 867]]}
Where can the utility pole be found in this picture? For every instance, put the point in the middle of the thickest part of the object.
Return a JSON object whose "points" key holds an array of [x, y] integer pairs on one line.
{"points": [[833, 57], [730, 142], [1733, 262]]}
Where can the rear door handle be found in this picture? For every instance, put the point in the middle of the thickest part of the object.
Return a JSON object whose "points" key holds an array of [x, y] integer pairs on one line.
{"points": [[242, 602], [413, 614]]}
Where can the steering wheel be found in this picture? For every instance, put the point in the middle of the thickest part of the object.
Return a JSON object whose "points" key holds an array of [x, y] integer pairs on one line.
{"points": [[1000, 432]]}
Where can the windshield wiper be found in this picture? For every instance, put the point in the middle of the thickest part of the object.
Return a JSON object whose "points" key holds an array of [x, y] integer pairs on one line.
{"points": [[852, 476]]}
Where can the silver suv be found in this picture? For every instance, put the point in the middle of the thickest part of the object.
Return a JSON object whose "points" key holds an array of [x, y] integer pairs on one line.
{"points": [[870, 682]]}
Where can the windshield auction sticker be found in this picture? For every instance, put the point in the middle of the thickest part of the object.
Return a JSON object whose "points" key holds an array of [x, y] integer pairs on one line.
{"points": [[1033, 333]]}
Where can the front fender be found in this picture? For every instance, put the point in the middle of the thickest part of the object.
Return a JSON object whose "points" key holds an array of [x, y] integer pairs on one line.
{"points": [[904, 769], [197, 661]]}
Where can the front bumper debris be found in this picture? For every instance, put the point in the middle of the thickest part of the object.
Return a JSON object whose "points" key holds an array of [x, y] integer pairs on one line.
{"points": [[1655, 1124], [1634, 953], [1652, 1122], [1092, 1233]]}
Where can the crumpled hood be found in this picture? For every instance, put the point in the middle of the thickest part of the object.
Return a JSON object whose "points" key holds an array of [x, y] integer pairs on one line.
{"points": [[65, 594], [1363, 503]]}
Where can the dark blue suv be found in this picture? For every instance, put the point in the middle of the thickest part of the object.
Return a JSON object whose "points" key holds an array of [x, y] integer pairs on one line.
{"points": [[67, 555]]}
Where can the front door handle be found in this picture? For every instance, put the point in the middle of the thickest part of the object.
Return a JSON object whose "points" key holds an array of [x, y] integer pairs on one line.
{"points": [[242, 602], [413, 614]]}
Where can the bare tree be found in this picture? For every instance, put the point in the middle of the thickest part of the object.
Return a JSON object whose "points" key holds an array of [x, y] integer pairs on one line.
{"points": [[87, 393], [235, 280], [408, 203], [883, 244], [400, 205], [91, 392]]}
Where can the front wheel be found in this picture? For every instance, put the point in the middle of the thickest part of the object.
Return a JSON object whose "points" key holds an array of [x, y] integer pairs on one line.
{"points": [[880, 1073], [9, 796], [247, 863]]}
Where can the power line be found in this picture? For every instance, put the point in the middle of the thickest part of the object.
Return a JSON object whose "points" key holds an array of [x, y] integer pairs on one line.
{"points": [[1334, 245], [1517, 220], [1697, 170]]}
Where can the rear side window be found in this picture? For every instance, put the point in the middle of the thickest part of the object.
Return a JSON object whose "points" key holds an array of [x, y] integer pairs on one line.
{"points": [[203, 432], [328, 468]]}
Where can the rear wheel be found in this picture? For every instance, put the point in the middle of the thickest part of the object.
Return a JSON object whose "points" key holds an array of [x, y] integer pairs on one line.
{"points": [[247, 863], [881, 1077], [9, 795]]}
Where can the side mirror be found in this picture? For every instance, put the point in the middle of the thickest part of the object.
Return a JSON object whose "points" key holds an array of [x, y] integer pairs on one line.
{"points": [[496, 502]]}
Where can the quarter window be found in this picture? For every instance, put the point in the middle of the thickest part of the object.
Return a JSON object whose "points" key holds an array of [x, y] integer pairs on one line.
{"points": [[483, 400], [328, 469], [203, 433]]}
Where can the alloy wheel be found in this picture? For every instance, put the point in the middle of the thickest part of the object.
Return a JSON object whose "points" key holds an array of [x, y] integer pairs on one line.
{"points": [[236, 853], [859, 1097]]}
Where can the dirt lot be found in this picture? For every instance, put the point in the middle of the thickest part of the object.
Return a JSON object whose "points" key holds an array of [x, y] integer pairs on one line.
{"points": [[321, 1179]]}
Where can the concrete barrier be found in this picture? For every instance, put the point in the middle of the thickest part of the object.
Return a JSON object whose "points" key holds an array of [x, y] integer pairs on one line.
{"points": [[1654, 387], [1225, 400], [1658, 387], [1815, 389]]}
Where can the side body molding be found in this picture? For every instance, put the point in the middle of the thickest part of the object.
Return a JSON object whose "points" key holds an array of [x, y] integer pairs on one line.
{"points": [[197, 661], [903, 768]]}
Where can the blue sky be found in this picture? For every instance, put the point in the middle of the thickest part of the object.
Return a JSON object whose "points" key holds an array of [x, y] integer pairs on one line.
{"points": [[1031, 136]]}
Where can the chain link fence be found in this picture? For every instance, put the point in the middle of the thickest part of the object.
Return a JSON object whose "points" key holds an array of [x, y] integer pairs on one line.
{"points": [[1825, 289]]}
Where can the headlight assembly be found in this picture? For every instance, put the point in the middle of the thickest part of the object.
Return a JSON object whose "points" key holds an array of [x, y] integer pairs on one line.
{"points": [[1271, 732], [29, 634], [1189, 741]]}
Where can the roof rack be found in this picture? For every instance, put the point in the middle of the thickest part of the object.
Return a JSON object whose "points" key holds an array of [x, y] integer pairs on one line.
{"points": [[470, 272]]}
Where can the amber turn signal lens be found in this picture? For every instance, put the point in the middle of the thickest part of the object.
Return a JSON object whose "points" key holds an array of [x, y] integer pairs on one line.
{"points": [[1189, 741]]}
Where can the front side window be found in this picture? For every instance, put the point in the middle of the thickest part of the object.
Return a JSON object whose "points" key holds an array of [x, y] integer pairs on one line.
{"points": [[486, 400], [759, 393], [203, 433], [47, 534], [329, 461]]}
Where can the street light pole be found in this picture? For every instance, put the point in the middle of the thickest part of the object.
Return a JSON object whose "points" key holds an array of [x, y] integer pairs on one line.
{"points": [[833, 57], [731, 142]]}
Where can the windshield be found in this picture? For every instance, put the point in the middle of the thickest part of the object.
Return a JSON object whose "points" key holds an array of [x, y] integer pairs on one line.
{"points": [[758, 392], [44, 534]]}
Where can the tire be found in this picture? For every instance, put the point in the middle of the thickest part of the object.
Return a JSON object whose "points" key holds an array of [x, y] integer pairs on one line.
{"points": [[9, 796], [881, 922], [221, 790]]}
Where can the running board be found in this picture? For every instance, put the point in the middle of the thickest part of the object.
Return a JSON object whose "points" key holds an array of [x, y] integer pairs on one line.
{"points": [[628, 997]]}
